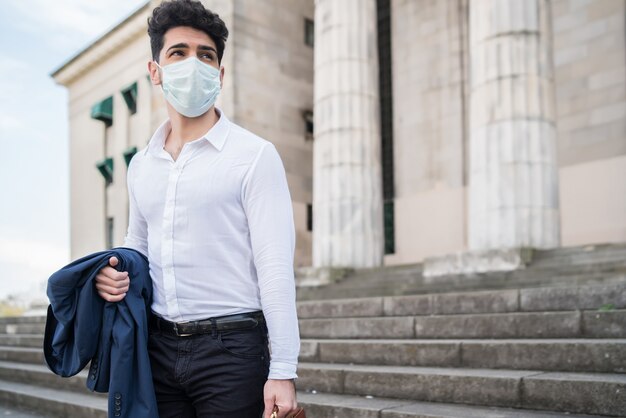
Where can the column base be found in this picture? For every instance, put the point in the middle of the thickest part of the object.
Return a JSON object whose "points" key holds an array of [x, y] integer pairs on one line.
{"points": [[319, 276], [478, 261]]}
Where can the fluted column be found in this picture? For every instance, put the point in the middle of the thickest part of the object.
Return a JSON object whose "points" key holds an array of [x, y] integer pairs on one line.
{"points": [[513, 193], [347, 184]]}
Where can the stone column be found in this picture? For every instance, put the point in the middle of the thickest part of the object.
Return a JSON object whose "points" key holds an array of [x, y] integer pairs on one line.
{"points": [[347, 183], [513, 193]]}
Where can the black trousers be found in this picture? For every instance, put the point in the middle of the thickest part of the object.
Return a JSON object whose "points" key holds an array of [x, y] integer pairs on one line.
{"points": [[218, 375]]}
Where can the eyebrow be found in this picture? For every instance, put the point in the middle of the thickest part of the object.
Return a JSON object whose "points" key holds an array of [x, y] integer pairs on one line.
{"points": [[206, 48], [184, 45]]}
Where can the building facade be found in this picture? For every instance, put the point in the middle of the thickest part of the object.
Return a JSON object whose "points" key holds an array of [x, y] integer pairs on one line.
{"points": [[408, 128]]}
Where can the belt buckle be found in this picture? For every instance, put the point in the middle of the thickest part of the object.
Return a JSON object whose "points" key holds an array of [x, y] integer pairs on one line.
{"points": [[177, 333]]}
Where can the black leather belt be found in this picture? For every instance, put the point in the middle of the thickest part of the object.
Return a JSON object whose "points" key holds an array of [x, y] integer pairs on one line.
{"points": [[206, 326]]}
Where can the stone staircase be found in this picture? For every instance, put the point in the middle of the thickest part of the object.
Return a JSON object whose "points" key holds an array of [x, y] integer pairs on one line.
{"points": [[568, 266], [546, 342], [25, 380], [533, 352]]}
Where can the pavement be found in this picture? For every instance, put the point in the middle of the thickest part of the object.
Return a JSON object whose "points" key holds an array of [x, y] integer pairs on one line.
{"points": [[8, 412]]}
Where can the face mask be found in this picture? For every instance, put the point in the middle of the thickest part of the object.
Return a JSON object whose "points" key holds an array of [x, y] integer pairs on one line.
{"points": [[190, 86]]}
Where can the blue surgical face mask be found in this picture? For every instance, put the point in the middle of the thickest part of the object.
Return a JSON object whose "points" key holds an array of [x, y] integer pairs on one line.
{"points": [[190, 86]]}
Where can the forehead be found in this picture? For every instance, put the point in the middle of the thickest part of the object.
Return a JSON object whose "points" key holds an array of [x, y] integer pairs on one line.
{"points": [[188, 35]]}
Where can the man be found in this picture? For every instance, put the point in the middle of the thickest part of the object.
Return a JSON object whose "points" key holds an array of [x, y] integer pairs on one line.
{"points": [[210, 207]]}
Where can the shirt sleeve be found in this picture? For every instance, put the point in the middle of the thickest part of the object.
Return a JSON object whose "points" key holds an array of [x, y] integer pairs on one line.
{"points": [[137, 233], [267, 204]]}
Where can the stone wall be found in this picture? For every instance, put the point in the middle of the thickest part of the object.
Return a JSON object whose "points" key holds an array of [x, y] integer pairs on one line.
{"points": [[90, 203], [269, 84], [590, 73], [430, 100], [272, 73], [429, 76]]}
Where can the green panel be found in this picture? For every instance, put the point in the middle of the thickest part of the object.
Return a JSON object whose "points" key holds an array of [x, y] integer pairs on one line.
{"points": [[309, 217], [105, 167], [103, 111], [390, 245], [128, 155], [309, 32], [130, 97]]}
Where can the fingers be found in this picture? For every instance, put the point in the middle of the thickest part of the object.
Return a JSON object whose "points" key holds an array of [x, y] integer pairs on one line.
{"points": [[113, 290], [112, 285], [269, 408], [279, 394], [111, 298], [284, 410], [110, 277]]}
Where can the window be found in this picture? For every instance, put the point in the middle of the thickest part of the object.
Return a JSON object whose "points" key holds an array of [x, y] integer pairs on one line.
{"points": [[110, 226], [105, 167], [130, 97], [103, 111], [386, 119], [307, 115], [390, 247], [309, 32], [309, 217], [128, 154]]}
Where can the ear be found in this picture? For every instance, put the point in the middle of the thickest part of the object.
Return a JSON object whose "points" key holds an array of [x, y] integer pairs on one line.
{"points": [[155, 74], [221, 77]]}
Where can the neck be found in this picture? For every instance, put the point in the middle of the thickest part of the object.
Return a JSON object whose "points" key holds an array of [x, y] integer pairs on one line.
{"points": [[186, 129]]}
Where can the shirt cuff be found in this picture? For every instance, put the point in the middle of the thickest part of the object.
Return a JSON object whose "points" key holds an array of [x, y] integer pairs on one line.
{"points": [[280, 370]]}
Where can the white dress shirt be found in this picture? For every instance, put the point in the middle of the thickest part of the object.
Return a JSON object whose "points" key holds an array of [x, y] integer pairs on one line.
{"points": [[217, 228]]}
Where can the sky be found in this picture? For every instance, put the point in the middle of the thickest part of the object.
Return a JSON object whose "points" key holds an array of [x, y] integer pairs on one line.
{"points": [[36, 38]]}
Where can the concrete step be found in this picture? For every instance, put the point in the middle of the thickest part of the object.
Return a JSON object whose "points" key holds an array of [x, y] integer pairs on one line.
{"points": [[567, 324], [22, 320], [29, 385], [605, 264], [20, 328], [357, 287], [323, 405], [582, 393], [569, 355], [40, 375], [22, 340], [57, 403], [52, 402], [493, 301], [22, 354], [15, 412], [579, 256]]}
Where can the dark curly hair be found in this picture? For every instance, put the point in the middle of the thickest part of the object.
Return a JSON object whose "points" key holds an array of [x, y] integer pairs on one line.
{"points": [[174, 13]]}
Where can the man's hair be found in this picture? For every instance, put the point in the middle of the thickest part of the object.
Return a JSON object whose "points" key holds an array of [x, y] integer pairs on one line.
{"points": [[174, 13]]}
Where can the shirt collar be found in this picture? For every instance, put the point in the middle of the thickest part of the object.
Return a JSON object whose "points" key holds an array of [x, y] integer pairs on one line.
{"points": [[217, 135]]}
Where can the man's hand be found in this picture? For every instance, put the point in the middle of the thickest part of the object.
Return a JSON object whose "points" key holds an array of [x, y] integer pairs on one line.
{"points": [[280, 394], [112, 285]]}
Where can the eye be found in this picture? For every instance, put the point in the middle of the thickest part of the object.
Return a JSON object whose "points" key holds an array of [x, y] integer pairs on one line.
{"points": [[177, 52]]}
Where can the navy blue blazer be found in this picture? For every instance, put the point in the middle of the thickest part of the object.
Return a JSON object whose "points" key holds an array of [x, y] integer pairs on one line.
{"points": [[83, 327]]}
